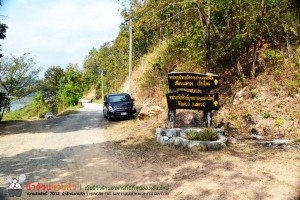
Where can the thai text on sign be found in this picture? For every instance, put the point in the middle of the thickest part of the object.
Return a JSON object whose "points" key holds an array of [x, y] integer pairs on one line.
{"points": [[193, 80], [193, 101]]}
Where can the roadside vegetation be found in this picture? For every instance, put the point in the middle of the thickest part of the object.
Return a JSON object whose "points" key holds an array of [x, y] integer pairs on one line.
{"points": [[61, 88], [206, 135], [57, 92], [246, 39], [253, 46], [28, 112], [32, 112]]}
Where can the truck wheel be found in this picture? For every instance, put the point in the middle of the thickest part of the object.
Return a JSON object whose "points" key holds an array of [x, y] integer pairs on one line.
{"points": [[108, 116]]}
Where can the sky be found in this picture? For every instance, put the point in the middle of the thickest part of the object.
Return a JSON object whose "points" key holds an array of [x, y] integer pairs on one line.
{"points": [[58, 32]]}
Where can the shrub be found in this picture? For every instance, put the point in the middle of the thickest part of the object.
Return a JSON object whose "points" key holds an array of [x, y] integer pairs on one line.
{"points": [[292, 86], [205, 135], [246, 115], [279, 122], [253, 93], [267, 115], [233, 116]]}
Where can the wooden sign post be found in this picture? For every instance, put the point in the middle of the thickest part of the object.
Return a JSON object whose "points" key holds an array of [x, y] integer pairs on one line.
{"points": [[194, 101]]}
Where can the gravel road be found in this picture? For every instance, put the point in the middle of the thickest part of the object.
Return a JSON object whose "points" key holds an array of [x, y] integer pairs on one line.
{"points": [[64, 150], [74, 153]]}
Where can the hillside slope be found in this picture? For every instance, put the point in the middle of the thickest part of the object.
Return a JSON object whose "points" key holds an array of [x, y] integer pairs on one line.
{"points": [[268, 105]]}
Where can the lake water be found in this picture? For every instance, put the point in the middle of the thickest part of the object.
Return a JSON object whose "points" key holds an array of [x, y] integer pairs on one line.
{"points": [[18, 104]]}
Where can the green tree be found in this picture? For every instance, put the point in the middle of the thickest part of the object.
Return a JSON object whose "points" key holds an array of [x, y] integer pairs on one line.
{"points": [[38, 102], [18, 76], [203, 36], [205, 21], [70, 94], [3, 28], [70, 87], [50, 86], [91, 69], [51, 81], [108, 60]]}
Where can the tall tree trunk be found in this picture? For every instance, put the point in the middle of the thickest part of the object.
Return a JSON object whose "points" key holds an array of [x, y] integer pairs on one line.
{"points": [[253, 70], [288, 49], [205, 24], [7, 105], [241, 71], [257, 42], [2, 111], [207, 39]]}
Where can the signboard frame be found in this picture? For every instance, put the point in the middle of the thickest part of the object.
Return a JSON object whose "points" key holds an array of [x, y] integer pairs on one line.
{"points": [[196, 101]]}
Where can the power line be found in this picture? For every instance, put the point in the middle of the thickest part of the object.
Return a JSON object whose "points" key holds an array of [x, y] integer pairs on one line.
{"points": [[149, 9], [130, 38], [175, 15]]}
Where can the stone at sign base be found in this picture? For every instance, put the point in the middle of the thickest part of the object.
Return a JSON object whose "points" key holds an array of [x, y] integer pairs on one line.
{"points": [[177, 137]]}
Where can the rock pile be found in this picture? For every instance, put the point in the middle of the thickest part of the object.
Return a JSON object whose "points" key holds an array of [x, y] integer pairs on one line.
{"points": [[149, 111]]}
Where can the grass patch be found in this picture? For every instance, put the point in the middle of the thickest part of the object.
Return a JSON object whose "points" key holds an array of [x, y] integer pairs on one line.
{"points": [[70, 110], [267, 115], [205, 135], [25, 113], [233, 116], [253, 93], [292, 86], [98, 101], [279, 122], [30, 112]]}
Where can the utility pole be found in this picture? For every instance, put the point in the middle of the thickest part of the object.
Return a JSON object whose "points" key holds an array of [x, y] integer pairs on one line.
{"points": [[130, 56], [102, 86]]}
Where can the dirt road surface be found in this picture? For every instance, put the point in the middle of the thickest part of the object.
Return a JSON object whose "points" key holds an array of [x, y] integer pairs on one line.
{"points": [[83, 149]]}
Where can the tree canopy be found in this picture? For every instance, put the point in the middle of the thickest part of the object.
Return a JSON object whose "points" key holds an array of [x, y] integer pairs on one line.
{"points": [[241, 34], [18, 75], [3, 28]]}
